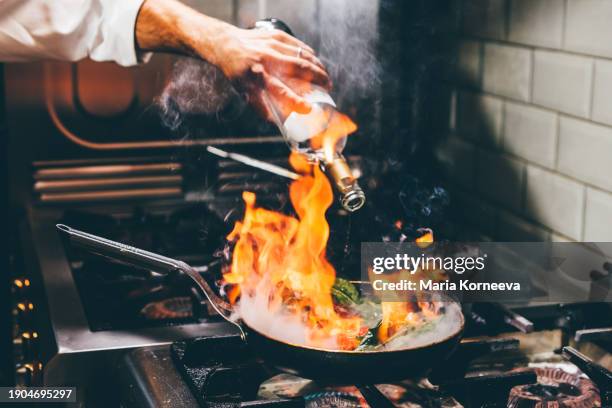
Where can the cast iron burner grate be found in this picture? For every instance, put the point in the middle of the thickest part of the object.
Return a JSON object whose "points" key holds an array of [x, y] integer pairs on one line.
{"points": [[221, 372]]}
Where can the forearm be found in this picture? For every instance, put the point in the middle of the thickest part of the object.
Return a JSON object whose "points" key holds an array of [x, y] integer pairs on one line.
{"points": [[168, 25], [254, 60]]}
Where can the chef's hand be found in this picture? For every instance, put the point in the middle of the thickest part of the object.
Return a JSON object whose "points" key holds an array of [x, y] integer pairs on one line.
{"points": [[253, 60], [271, 60]]}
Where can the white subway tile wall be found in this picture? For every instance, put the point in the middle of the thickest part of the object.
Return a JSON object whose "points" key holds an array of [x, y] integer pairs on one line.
{"points": [[298, 14], [499, 178], [513, 228], [585, 152], [468, 59], [588, 29], [555, 201], [602, 89], [534, 109], [598, 216], [480, 118], [485, 18], [481, 216], [507, 71], [538, 23], [563, 82], [221, 9], [531, 133], [249, 11], [457, 157]]}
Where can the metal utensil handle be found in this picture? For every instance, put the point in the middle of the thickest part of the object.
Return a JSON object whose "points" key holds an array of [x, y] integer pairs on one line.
{"points": [[145, 259]]}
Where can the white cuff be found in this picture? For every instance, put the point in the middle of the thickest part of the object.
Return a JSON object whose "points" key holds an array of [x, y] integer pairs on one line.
{"points": [[116, 38]]}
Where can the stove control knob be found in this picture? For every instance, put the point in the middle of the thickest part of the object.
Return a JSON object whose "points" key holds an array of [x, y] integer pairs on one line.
{"points": [[29, 345], [24, 311], [17, 349], [21, 376], [20, 288], [29, 374]]}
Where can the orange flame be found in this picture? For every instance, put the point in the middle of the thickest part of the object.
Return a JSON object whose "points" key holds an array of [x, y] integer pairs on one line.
{"points": [[338, 126], [426, 239], [282, 259], [396, 315], [285, 256]]}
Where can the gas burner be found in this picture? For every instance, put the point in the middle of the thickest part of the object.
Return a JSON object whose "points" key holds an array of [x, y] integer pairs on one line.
{"points": [[555, 388], [334, 399], [172, 308], [290, 386]]}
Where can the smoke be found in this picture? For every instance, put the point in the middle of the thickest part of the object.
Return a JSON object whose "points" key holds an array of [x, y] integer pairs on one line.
{"points": [[348, 42], [253, 309], [449, 323], [195, 88]]}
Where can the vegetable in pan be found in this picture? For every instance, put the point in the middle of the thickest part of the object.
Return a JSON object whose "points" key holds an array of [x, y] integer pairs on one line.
{"points": [[412, 318]]}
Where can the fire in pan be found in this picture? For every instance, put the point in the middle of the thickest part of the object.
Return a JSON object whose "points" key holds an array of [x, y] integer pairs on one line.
{"points": [[409, 354]]}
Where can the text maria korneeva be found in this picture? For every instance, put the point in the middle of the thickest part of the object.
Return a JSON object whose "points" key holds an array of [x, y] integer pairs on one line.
{"points": [[463, 285]]}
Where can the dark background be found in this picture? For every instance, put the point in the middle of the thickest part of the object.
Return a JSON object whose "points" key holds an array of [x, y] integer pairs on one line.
{"points": [[5, 314]]}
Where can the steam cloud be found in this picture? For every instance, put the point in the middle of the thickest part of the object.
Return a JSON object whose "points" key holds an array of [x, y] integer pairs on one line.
{"points": [[253, 310], [348, 40], [195, 88]]}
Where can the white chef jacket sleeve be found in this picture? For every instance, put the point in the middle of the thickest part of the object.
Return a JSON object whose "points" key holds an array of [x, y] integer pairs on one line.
{"points": [[69, 30]]}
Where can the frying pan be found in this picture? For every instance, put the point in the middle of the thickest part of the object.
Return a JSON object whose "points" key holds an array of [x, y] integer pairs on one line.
{"points": [[336, 366]]}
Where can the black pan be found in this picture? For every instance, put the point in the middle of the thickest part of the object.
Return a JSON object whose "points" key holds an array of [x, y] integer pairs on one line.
{"points": [[339, 367]]}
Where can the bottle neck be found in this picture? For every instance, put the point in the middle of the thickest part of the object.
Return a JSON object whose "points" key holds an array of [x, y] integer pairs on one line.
{"points": [[352, 196]]}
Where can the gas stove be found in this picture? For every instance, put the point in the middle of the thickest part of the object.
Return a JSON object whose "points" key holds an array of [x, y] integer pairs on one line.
{"points": [[508, 370], [162, 346]]}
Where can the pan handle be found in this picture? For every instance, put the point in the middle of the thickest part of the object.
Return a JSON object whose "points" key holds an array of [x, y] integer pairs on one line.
{"points": [[149, 260]]}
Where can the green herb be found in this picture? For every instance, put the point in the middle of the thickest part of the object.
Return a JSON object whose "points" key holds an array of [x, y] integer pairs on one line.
{"points": [[370, 339], [345, 293]]}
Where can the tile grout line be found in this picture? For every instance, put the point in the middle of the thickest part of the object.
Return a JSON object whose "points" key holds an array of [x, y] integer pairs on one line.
{"points": [[462, 88], [499, 211], [592, 89], [509, 155], [507, 18], [557, 143], [584, 211], [532, 62], [524, 189], [516, 44], [481, 64], [564, 25]]}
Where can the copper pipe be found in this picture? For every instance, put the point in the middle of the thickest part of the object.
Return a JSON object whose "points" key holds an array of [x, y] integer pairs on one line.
{"points": [[104, 183], [239, 187], [111, 195], [105, 170], [234, 176], [153, 144]]}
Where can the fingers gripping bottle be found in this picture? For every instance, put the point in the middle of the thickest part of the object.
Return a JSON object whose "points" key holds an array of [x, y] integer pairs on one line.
{"points": [[319, 134]]}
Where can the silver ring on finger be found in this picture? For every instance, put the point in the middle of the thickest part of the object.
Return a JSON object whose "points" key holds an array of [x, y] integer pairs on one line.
{"points": [[299, 52]]}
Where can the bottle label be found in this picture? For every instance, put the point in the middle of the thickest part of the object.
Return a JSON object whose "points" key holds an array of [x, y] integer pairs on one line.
{"points": [[300, 128], [319, 96]]}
